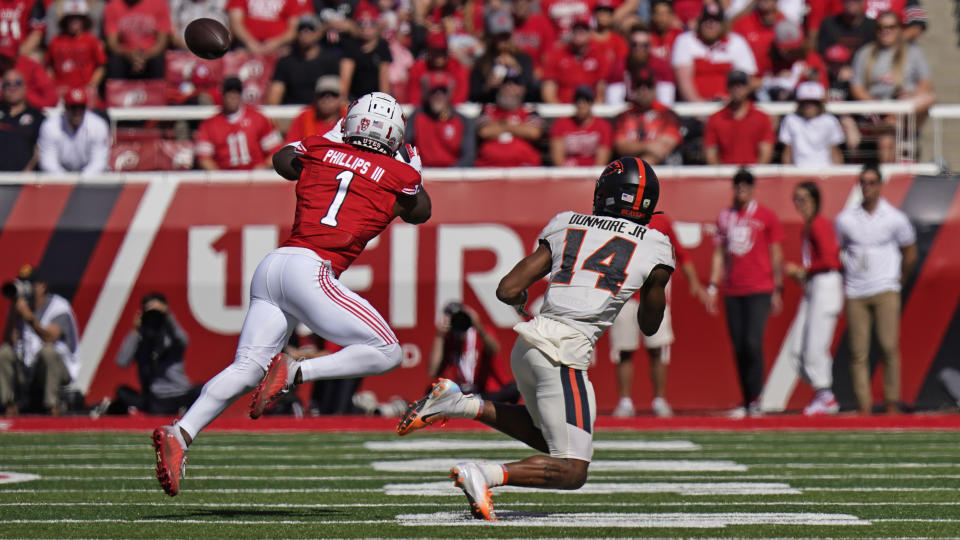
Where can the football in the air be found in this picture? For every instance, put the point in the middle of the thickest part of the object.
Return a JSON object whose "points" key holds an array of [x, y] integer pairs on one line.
{"points": [[207, 38]]}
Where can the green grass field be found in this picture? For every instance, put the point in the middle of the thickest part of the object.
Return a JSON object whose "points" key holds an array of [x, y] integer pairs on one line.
{"points": [[642, 484]]}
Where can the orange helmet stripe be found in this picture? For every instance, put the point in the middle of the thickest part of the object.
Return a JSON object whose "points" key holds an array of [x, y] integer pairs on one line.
{"points": [[642, 177]]}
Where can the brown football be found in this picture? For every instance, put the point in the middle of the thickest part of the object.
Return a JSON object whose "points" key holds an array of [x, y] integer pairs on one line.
{"points": [[207, 38]]}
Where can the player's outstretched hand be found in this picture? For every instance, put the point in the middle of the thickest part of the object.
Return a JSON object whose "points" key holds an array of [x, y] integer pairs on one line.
{"points": [[409, 154]]}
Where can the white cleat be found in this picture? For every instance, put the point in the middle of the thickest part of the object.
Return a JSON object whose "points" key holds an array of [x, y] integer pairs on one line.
{"points": [[443, 401], [469, 477]]}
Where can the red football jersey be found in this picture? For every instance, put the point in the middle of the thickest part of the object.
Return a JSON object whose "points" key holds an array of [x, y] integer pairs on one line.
{"points": [[75, 58], [17, 19], [345, 198], [265, 19], [241, 141]]}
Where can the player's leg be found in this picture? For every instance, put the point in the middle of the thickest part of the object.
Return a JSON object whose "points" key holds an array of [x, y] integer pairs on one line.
{"points": [[658, 348], [859, 324], [888, 335], [825, 292], [624, 338]]}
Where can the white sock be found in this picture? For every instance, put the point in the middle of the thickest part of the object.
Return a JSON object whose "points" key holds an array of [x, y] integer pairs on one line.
{"points": [[468, 406], [494, 473]]}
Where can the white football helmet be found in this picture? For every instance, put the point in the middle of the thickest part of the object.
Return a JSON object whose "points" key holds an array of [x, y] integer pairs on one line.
{"points": [[375, 121]]}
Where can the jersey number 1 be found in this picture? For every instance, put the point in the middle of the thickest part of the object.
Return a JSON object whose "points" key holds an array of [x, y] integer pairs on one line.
{"points": [[345, 177], [610, 260]]}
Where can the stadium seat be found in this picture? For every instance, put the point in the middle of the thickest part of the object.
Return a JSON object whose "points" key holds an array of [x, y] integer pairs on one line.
{"points": [[135, 93]]}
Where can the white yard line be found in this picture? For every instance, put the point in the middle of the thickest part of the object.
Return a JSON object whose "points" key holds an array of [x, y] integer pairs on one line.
{"points": [[443, 445], [631, 520], [512, 504], [624, 466], [605, 488]]}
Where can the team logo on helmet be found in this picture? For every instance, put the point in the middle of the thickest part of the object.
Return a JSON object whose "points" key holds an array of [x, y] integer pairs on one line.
{"points": [[364, 124], [614, 168], [646, 204]]}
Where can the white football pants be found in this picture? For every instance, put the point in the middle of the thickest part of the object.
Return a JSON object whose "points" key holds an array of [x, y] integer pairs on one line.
{"points": [[294, 284], [818, 311]]}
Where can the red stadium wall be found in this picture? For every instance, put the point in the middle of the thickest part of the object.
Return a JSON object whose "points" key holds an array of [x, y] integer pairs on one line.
{"points": [[199, 243]]}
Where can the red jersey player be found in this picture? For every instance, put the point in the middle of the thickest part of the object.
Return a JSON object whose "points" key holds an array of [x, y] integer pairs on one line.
{"points": [[21, 26], [238, 138], [347, 193]]}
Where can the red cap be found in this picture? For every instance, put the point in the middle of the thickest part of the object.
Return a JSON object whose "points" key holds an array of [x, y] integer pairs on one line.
{"points": [[583, 19], [433, 80], [365, 11], [76, 96], [837, 53], [437, 40], [604, 4]]}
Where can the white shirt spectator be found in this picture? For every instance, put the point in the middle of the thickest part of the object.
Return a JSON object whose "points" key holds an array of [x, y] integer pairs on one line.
{"points": [[870, 248], [732, 49], [86, 150], [810, 141]]}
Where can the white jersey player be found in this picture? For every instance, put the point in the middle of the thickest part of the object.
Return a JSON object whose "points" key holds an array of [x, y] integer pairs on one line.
{"points": [[595, 263]]}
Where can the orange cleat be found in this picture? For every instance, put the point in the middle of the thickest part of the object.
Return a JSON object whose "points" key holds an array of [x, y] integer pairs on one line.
{"points": [[469, 478], [171, 459], [437, 406]]}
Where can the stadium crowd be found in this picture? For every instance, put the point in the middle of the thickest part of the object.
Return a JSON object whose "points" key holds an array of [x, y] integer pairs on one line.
{"points": [[436, 54]]}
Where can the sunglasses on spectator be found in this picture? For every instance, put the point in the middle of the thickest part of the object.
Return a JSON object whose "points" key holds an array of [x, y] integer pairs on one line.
{"points": [[12, 84], [640, 44]]}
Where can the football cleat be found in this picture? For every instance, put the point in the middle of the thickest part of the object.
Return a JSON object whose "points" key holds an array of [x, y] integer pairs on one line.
{"points": [[171, 459], [273, 385], [438, 405], [469, 477]]}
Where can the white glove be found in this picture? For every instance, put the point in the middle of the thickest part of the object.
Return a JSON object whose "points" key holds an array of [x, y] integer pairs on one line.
{"points": [[409, 154], [335, 134]]}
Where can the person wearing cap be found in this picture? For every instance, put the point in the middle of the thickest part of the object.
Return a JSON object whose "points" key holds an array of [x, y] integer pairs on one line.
{"points": [[445, 137], [39, 353], [702, 58], [295, 75], [265, 26], [507, 131], [582, 140], [791, 63], [19, 125], [746, 263], [811, 136], [240, 137], [575, 63], [366, 60], [532, 32], [739, 133], [640, 57], [137, 33], [322, 115], [757, 27], [850, 28], [438, 60], [75, 56], [501, 58], [648, 129], [78, 140]]}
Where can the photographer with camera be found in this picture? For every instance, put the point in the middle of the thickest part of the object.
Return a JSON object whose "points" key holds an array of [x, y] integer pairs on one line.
{"points": [[157, 344], [464, 352], [39, 351]]}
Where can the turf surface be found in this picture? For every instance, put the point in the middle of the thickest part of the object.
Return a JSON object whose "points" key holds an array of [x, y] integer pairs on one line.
{"points": [[308, 485]]}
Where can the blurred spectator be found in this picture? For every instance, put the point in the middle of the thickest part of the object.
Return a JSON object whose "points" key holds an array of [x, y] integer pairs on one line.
{"points": [[532, 33], [581, 140], [648, 129], [396, 30], [507, 131], [137, 34], [819, 275], [461, 20], [239, 137], [264, 26], [21, 26], [891, 68], [606, 36], [366, 59], [322, 115], [444, 137], [757, 28], [850, 28], [791, 63], [687, 11], [703, 58], [910, 12], [466, 353], [811, 136], [501, 57], [664, 29], [639, 57], [792, 10], [739, 133], [39, 354], [295, 75], [575, 63], [19, 125], [747, 259], [565, 13], [54, 13], [437, 60], [840, 75], [76, 57], [183, 12], [78, 140], [157, 344], [878, 247], [40, 89]]}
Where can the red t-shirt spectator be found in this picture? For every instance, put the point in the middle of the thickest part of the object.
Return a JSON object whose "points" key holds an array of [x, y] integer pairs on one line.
{"points": [[759, 36], [662, 46], [687, 10], [241, 143], [440, 142], [138, 24], [73, 59], [649, 125], [712, 63], [507, 150], [306, 124], [265, 19], [820, 252], [617, 49], [535, 36], [40, 89], [569, 71], [581, 141], [18, 18], [746, 236], [458, 74], [563, 13], [735, 139]]}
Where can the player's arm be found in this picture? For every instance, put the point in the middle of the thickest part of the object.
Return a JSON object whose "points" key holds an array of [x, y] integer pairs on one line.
{"points": [[513, 287], [653, 300], [287, 163], [413, 209]]}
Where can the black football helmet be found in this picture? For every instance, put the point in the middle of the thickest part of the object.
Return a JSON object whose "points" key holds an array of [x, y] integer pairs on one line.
{"points": [[627, 188]]}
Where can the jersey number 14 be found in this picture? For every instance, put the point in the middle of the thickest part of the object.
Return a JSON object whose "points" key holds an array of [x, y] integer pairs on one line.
{"points": [[610, 260]]}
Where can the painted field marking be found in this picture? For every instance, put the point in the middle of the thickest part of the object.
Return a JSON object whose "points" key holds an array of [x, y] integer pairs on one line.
{"points": [[224, 490], [605, 488], [7, 477], [593, 476], [442, 445], [442, 464], [458, 504], [630, 520]]}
